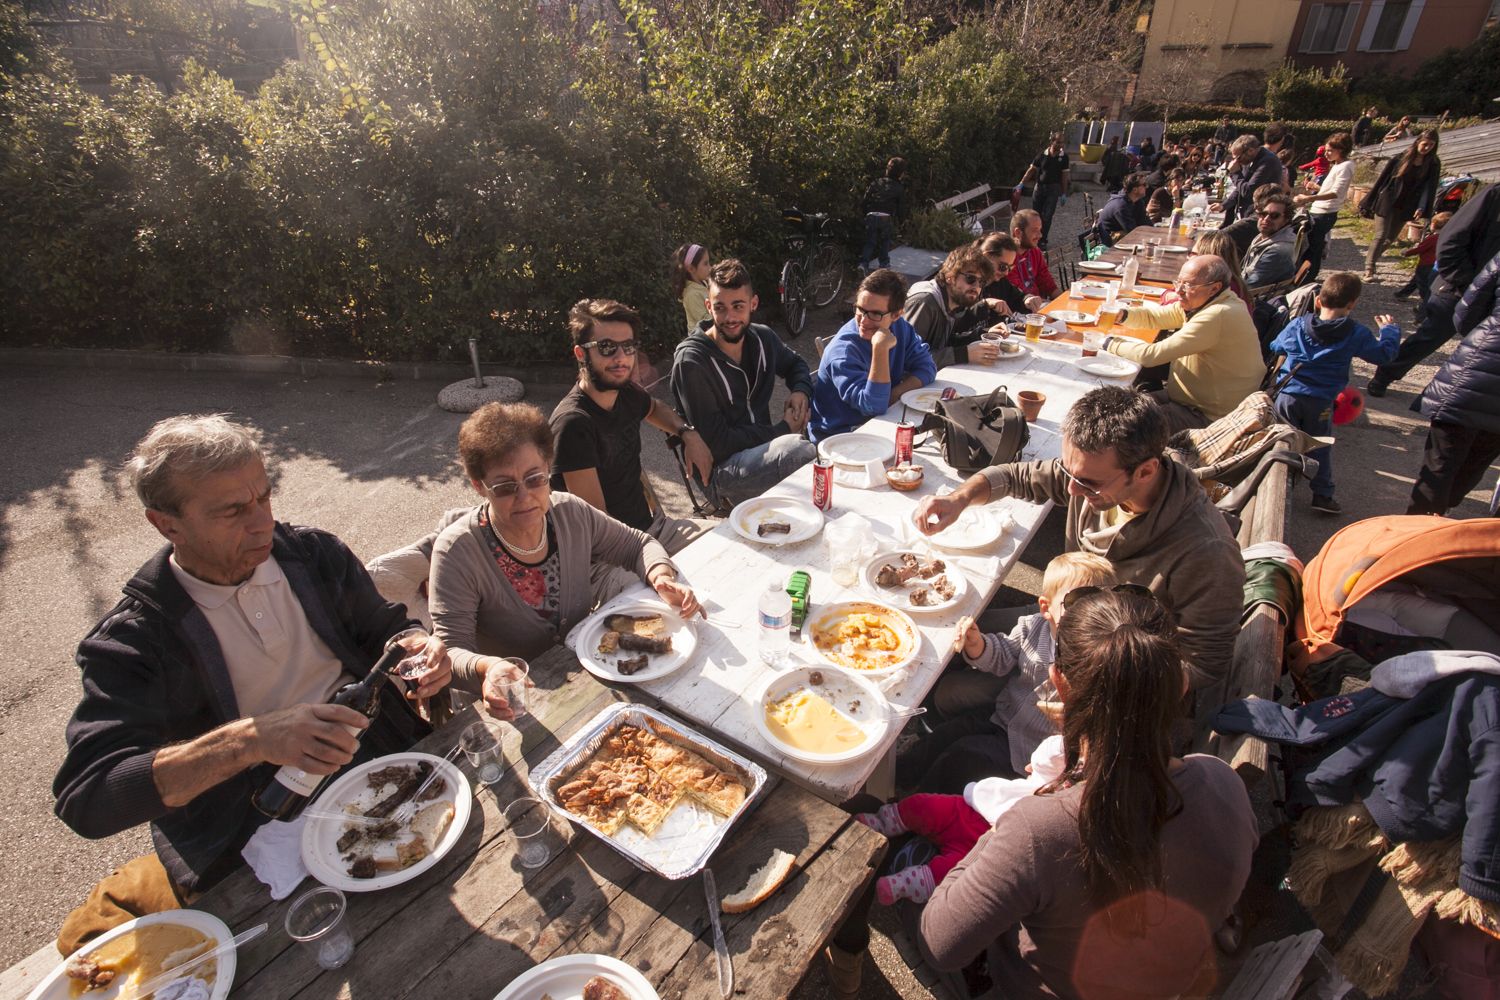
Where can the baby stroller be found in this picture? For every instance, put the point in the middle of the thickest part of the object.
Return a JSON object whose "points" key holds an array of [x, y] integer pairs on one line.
{"points": [[1391, 585]]}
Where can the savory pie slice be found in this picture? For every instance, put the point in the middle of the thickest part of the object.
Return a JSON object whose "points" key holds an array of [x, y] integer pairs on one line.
{"points": [[645, 814]]}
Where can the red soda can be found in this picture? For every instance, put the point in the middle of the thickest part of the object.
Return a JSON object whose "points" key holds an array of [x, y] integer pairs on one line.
{"points": [[822, 493], [904, 433], [948, 393]]}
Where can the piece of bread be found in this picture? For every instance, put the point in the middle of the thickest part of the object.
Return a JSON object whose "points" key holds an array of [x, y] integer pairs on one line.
{"points": [[431, 822], [763, 881]]}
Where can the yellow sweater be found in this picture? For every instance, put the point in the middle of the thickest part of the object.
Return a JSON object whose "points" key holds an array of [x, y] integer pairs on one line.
{"points": [[1215, 354], [694, 295]]}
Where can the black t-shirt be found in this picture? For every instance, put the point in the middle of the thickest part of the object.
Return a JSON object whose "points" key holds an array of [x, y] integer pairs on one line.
{"points": [[1049, 169], [588, 436]]}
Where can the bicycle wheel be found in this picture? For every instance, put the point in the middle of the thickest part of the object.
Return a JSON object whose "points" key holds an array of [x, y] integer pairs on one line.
{"points": [[827, 275], [793, 298]]}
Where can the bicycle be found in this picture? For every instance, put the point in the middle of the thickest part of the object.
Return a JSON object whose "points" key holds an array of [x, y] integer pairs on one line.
{"points": [[814, 275]]}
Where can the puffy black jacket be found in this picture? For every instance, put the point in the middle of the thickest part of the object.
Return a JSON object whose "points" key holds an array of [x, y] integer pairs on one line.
{"points": [[153, 675], [731, 404], [1466, 390], [1468, 241]]}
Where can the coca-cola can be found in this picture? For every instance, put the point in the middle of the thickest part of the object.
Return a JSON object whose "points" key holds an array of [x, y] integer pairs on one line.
{"points": [[905, 431], [822, 493]]}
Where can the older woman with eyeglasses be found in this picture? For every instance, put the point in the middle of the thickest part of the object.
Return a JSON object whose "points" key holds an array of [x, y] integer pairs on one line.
{"points": [[515, 574]]}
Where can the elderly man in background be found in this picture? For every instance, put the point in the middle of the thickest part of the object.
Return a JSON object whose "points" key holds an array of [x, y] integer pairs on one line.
{"points": [[1272, 254], [1250, 166], [216, 668], [1214, 356]]}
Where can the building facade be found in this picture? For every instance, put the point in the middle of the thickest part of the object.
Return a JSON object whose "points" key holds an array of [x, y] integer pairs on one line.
{"points": [[1382, 36], [1215, 50]]}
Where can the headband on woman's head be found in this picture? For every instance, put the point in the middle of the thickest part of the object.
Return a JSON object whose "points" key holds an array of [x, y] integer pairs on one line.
{"points": [[693, 251]]}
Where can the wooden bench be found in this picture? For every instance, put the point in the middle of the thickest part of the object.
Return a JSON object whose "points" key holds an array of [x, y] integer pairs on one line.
{"points": [[971, 214]]}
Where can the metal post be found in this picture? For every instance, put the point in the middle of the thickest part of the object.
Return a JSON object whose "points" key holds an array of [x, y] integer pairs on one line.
{"points": [[474, 357]]}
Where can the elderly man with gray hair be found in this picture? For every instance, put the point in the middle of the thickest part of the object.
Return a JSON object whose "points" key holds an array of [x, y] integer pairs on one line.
{"points": [[216, 668], [1214, 354], [1250, 166]]}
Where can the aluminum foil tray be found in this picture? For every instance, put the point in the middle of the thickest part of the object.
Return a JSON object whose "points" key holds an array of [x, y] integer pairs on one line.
{"points": [[682, 845]]}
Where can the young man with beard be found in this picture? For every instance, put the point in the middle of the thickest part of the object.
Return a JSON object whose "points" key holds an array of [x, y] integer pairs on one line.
{"points": [[935, 306], [1271, 256], [597, 425], [723, 376]]}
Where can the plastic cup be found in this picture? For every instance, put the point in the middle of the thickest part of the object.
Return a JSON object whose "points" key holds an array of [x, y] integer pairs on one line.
{"points": [[1093, 341], [507, 679], [1076, 291], [1153, 249], [1048, 701], [482, 746], [531, 824], [1107, 317], [1034, 324], [844, 538], [316, 921]]}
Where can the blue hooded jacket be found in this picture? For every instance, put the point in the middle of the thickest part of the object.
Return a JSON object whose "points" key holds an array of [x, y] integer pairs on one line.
{"points": [[1325, 348], [843, 396]]}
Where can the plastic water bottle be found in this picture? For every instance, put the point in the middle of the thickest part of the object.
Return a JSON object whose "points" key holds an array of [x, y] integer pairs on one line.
{"points": [[775, 625], [1131, 272]]}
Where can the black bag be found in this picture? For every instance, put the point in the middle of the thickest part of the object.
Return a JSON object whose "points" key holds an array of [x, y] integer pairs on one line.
{"points": [[978, 431]]}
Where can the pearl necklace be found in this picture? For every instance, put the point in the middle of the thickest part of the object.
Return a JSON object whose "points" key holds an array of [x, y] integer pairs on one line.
{"points": [[515, 549]]}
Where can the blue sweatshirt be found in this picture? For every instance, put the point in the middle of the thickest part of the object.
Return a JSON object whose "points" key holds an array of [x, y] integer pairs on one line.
{"points": [[844, 397], [1325, 349]]}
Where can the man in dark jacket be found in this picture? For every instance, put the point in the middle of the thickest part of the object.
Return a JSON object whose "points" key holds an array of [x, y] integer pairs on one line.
{"points": [[1465, 245], [1251, 166], [217, 666], [883, 203], [1124, 212], [722, 378], [1463, 403]]}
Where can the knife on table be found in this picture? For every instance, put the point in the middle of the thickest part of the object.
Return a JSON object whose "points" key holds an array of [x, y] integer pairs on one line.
{"points": [[721, 950]]}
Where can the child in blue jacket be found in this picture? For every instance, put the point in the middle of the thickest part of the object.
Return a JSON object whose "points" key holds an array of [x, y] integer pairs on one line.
{"points": [[1324, 343]]}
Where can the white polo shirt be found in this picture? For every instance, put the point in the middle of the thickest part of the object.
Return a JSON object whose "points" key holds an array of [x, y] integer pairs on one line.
{"points": [[275, 658]]}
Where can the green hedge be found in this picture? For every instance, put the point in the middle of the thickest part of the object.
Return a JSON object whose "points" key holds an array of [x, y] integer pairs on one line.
{"points": [[504, 163], [1309, 134]]}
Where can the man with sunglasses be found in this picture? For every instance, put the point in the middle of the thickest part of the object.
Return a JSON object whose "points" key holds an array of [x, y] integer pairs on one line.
{"points": [[874, 359], [1145, 513], [723, 375], [999, 298], [597, 425], [1272, 254], [934, 306]]}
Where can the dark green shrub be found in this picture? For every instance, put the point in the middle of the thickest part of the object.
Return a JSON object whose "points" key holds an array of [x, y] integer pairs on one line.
{"points": [[1308, 93]]}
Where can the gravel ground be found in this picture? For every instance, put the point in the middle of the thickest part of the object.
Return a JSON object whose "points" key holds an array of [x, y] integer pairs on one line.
{"points": [[373, 462]]}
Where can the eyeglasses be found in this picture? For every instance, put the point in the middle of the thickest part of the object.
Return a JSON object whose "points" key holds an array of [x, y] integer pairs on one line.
{"points": [[971, 279], [1079, 593], [873, 315], [1001, 267], [507, 488], [1090, 490], [1270, 215], [607, 348]]}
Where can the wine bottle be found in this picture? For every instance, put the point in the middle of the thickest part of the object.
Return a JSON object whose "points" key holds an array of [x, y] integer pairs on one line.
{"points": [[290, 788]]}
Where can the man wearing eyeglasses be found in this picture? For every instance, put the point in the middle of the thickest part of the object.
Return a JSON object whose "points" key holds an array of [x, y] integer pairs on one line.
{"points": [[874, 359], [723, 376], [933, 308], [1272, 254], [1136, 507], [1214, 357], [597, 425]]}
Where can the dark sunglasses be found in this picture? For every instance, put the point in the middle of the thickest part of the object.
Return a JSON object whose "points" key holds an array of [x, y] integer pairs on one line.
{"points": [[1270, 215], [509, 487], [1001, 267], [1079, 593], [971, 279], [607, 348]]}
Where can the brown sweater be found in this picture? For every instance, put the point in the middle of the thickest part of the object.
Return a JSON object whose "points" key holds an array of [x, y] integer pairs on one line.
{"points": [[1181, 548], [478, 613], [1021, 893]]}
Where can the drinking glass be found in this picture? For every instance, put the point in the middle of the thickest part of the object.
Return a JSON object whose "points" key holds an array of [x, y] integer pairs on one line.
{"points": [[1107, 316], [1153, 249], [1034, 323], [844, 537], [413, 665], [531, 823], [507, 679], [1049, 701], [1093, 340], [482, 745], [1075, 292], [316, 920]]}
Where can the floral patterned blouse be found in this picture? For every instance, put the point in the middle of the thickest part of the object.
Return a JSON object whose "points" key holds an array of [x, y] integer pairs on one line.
{"points": [[536, 584]]}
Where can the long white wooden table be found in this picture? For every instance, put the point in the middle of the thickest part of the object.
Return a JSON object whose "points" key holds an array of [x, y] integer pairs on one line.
{"points": [[718, 691]]}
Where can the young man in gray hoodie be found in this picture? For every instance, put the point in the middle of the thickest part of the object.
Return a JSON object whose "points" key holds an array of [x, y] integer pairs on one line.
{"points": [[1144, 512], [722, 378]]}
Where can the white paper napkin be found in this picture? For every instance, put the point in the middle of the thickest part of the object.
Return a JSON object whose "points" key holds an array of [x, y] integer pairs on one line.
{"points": [[866, 477], [274, 853]]}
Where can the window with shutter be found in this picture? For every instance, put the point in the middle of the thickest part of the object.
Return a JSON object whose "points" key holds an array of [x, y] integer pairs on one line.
{"points": [[1389, 22], [1328, 27]]}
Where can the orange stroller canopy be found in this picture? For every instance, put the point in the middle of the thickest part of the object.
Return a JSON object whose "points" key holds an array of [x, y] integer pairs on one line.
{"points": [[1458, 561]]}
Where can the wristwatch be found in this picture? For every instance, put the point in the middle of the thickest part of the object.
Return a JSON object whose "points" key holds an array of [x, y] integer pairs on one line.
{"points": [[685, 428]]}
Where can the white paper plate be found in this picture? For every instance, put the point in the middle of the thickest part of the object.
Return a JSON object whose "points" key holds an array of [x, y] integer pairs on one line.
{"points": [[1150, 291], [564, 978], [1173, 248], [909, 640], [57, 987], [976, 528], [1098, 267], [805, 519], [849, 693], [602, 665], [857, 449], [926, 398], [1073, 316], [1108, 366], [901, 596], [1127, 247], [320, 836]]}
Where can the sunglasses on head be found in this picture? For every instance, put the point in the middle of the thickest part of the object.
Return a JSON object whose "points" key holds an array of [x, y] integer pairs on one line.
{"points": [[507, 488], [607, 348], [1079, 593]]}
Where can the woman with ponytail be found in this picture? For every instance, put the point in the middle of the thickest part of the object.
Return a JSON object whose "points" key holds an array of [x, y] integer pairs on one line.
{"points": [[1111, 880]]}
